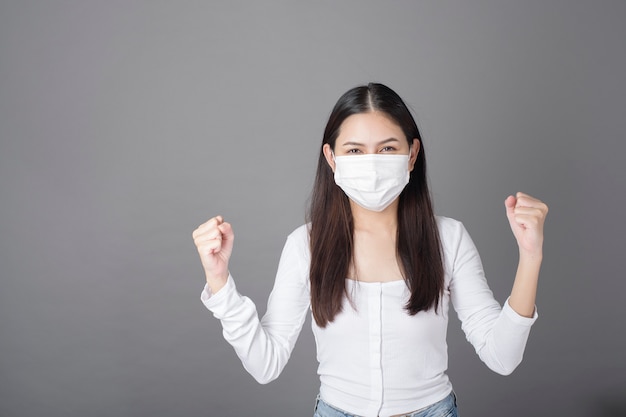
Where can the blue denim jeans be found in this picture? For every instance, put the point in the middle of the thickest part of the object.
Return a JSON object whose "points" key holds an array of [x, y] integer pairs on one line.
{"points": [[443, 408]]}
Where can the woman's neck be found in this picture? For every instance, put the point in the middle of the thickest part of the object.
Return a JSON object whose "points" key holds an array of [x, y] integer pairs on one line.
{"points": [[375, 221]]}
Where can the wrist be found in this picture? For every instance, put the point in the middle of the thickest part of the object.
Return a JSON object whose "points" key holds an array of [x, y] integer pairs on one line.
{"points": [[530, 257], [216, 283], [533, 251]]}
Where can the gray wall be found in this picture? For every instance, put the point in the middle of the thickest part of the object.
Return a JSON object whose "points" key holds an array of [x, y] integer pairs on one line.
{"points": [[124, 125]]}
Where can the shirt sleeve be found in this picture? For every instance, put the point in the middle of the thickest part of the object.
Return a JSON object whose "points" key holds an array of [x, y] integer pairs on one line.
{"points": [[497, 333], [264, 346]]}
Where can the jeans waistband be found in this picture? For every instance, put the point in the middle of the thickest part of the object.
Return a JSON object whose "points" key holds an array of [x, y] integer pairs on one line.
{"points": [[446, 407]]}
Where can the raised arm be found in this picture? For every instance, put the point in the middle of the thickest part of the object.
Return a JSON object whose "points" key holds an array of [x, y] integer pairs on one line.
{"points": [[526, 216], [263, 346], [498, 334]]}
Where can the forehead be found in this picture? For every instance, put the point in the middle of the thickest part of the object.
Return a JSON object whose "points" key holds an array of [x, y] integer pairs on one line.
{"points": [[366, 127]]}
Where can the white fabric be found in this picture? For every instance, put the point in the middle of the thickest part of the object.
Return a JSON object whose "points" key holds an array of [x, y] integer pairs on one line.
{"points": [[374, 360], [373, 181]]}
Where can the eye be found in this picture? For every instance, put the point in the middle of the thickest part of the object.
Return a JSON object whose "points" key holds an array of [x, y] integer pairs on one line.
{"points": [[388, 149], [353, 151]]}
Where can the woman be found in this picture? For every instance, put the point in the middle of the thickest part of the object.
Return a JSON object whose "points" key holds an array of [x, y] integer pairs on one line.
{"points": [[378, 270]]}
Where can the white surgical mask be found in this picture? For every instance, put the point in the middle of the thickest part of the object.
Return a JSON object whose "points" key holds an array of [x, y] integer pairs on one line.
{"points": [[373, 181]]}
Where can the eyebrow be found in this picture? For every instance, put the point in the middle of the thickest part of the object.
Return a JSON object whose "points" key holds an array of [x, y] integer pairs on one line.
{"points": [[379, 143]]}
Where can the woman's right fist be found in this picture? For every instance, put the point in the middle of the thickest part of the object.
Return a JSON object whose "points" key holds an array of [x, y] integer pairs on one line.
{"points": [[214, 240]]}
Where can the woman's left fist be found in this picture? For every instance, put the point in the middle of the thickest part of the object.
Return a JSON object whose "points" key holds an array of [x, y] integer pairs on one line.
{"points": [[526, 216]]}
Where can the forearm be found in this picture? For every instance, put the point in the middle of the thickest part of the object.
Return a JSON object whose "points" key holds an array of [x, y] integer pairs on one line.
{"points": [[524, 292], [263, 349]]}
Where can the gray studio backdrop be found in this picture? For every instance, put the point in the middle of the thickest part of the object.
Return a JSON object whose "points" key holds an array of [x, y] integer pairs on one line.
{"points": [[124, 125]]}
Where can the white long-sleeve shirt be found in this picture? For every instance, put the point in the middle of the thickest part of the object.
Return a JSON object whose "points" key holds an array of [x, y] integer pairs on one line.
{"points": [[374, 358]]}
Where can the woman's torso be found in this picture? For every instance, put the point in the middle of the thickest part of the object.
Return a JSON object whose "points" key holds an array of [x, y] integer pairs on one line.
{"points": [[376, 359]]}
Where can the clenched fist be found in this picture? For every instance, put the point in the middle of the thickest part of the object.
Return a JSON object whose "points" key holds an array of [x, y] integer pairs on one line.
{"points": [[526, 216], [214, 240]]}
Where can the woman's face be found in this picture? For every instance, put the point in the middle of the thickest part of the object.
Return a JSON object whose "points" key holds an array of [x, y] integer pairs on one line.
{"points": [[371, 133]]}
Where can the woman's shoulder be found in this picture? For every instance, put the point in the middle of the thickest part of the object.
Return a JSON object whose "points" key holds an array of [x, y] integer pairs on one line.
{"points": [[301, 233], [297, 245], [451, 231], [299, 238], [447, 224]]}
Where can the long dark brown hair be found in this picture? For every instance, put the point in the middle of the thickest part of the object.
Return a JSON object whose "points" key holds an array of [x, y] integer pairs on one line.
{"points": [[331, 231]]}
